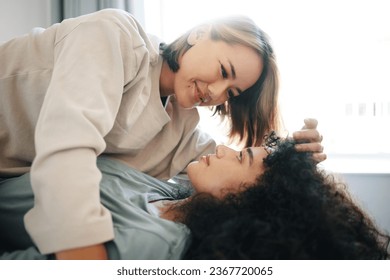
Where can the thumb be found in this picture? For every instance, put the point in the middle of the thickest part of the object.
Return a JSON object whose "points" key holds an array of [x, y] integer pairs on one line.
{"points": [[310, 123]]}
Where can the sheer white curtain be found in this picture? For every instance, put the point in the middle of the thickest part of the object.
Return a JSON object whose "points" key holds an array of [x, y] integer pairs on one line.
{"points": [[74, 8]]}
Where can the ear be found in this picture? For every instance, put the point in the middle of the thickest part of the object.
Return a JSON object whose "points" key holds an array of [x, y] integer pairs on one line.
{"points": [[198, 34]]}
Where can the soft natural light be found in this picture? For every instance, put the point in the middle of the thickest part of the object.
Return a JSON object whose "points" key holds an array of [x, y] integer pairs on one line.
{"points": [[334, 60]]}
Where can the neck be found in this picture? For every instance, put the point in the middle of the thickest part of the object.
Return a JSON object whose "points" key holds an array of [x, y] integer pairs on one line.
{"points": [[167, 210], [167, 78]]}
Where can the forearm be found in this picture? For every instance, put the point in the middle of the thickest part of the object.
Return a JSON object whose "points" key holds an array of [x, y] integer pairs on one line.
{"points": [[73, 216], [94, 252], [78, 112]]}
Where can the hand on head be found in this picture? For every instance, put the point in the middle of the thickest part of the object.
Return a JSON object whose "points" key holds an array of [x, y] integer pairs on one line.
{"points": [[309, 140]]}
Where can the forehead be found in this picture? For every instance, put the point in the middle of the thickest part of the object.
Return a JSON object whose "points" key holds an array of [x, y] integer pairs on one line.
{"points": [[259, 153]]}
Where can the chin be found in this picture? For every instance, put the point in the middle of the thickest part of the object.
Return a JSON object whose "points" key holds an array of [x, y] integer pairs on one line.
{"points": [[184, 98], [193, 170], [186, 104], [191, 166]]}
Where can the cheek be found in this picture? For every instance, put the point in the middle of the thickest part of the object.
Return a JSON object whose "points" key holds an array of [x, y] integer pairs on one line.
{"points": [[222, 183], [187, 65], [184, 92], [198, 67], [206, 179]]}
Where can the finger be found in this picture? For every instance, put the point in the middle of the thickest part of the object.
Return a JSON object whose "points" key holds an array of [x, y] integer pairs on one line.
{"points": [[310, 123], [311, 135], [319, 157], [315, 147]]}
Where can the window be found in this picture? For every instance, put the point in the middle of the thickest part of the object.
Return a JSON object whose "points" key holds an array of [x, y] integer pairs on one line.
{"points": [[334, 60]]}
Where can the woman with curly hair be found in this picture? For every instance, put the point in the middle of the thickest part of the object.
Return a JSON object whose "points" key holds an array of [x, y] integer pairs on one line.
{"points": [[293, 211], [268, 202]]}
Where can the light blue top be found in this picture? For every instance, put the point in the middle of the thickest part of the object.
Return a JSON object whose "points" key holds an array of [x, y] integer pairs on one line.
{"points": [[139, 232]]}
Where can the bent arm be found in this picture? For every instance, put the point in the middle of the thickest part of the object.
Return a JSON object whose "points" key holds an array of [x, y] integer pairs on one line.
{"points": [[79, 109], [95, 252]]}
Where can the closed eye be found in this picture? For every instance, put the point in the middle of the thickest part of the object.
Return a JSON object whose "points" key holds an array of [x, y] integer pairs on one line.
{"points": [[223, 72], [230, 92], [239, 157]]}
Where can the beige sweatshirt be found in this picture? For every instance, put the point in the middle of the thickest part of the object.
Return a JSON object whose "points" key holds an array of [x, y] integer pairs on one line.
{"points": [[81, 88]]}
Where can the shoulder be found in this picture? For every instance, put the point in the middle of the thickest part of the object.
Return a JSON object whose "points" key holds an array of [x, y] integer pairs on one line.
{"points": [[103, 20], [118, 16], [110, 15]]}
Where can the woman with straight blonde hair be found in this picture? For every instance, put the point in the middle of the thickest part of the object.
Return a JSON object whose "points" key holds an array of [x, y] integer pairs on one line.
{"points": [[253, 112]]}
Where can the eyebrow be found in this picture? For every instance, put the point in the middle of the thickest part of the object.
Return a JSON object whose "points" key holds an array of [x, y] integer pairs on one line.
{"points": [[250, 154], [233, 70]]}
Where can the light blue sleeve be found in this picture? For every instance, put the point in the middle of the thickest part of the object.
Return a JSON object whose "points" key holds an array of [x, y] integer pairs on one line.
{"points": [[30, 253], [145, 245]]}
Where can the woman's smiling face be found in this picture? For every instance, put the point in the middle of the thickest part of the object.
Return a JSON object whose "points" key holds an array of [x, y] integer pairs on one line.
{"points": [[212, 71], [226, 170]]}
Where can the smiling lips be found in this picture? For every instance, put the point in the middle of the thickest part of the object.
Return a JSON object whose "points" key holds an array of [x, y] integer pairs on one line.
{"points": [[206, 159], [200, 96]]}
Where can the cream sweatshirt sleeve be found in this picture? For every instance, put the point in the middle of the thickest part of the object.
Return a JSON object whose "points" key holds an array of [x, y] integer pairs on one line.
{"points": [[79, 109]]}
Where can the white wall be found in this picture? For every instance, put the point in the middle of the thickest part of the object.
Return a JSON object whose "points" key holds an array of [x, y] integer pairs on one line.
{"points": [[373, 193], [20, 16]]}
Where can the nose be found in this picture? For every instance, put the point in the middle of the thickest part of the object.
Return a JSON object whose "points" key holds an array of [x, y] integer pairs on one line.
{"points": [[218, 89], [223, 151]]}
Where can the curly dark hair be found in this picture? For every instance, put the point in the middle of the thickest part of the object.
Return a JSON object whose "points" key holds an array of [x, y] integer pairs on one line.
{"points": [[293, 211]]}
